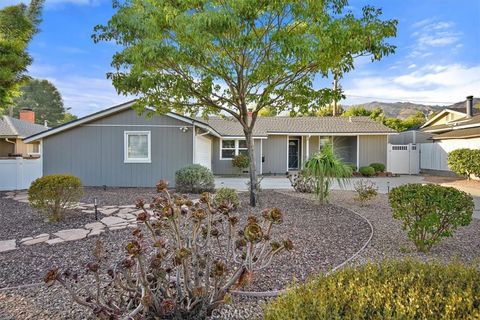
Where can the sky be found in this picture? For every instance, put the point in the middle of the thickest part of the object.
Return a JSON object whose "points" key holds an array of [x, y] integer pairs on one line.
{"points": [[437, 61]]}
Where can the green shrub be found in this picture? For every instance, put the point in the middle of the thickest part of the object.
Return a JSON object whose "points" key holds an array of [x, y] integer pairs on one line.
{"points": [[194, 179], [367, 171], [241, 161], [353, 166], [465, 162], [366, 190], [379, 167], [430, 212], [390, 290], [226, 197], [54, 194]]}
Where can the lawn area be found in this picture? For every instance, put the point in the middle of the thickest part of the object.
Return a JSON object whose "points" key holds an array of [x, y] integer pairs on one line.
{"points": [[323, 236]]}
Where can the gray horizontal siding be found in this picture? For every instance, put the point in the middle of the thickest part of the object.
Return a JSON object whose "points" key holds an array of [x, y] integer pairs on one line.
{"points": [[373, 149], [225, 166], [95, 152]]}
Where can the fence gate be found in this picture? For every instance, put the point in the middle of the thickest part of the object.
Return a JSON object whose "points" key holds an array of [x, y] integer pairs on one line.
{"points": [[403, 158]]}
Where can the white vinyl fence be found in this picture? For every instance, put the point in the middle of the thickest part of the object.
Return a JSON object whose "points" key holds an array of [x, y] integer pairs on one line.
{"points": [[403, 159], [434, 155], [18, 173]]}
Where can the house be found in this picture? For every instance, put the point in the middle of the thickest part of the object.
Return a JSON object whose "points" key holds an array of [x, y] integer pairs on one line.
{"points": [[451, 129], [116, 147], [13, 130]]}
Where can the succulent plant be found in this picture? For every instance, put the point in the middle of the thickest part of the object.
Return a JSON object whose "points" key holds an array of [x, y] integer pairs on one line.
{"points": [[197, 252]]}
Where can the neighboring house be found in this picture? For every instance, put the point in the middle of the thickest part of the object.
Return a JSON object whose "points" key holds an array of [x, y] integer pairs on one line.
{"points": [[13, 130], [116, 147], [452, 128], [410, 136]]}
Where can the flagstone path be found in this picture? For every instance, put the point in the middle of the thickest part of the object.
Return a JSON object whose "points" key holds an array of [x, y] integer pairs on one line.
{"points": [[111, 218]]}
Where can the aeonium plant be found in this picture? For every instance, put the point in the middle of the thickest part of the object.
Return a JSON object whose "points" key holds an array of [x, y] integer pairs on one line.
{"points": [[182, 264]]}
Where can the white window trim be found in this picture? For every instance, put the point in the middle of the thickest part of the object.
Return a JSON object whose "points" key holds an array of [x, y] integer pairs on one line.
{"points": [[236, 148], [126, 159]]}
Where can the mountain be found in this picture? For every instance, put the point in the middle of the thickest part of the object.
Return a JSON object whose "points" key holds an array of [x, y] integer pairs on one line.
{"points": [[404, 109], [399, 109]]}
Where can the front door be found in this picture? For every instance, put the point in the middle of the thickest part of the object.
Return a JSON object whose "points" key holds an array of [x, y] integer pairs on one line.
{"points": [[293, 154]]}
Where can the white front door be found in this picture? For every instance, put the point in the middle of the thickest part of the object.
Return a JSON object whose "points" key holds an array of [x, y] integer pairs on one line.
{"points": [[203, 151]]}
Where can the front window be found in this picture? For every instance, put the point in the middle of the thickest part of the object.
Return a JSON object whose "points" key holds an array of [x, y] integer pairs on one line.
{"points": [[137, 146], [231, 148], [325, 141]]}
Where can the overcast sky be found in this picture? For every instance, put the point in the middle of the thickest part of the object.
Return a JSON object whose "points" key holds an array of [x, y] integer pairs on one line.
{"points": [[437, 59]]}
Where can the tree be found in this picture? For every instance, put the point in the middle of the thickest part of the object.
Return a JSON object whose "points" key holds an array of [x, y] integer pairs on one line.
{"points": [[213, 57], [42, 97], [328, 110], [18, 25]]}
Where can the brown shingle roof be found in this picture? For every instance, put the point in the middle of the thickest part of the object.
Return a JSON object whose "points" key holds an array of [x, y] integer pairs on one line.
{"points": [[312, 125], [459, 134], [473, 121]]}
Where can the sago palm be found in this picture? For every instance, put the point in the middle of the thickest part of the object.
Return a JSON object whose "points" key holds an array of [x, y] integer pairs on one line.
{"points": [[326, 167]]}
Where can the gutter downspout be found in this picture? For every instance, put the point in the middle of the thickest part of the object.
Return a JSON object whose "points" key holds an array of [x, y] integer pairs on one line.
{"points": [[14, 145]]}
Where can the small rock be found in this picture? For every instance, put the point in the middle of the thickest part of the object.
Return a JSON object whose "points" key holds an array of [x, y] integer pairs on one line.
{"points": [[96, 232]]}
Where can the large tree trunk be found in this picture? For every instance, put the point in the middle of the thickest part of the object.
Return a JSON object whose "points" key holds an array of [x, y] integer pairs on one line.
{"points": [[252, 169]]}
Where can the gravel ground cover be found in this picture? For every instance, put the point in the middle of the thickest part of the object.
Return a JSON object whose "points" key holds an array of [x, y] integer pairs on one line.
{"points": [[323, 237]]}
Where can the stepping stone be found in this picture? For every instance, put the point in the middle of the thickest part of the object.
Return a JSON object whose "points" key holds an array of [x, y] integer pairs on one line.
{"points": [[109, 207], [108, 212], [117, 228], [110, 221], [54, 241], [126, 216], [88, 211], [36, 240], [133, 226], [72, 234], [96, 232], [8, 245], [130, 206], [26, 239], [42, 235], [125, 211], [94, 225]]}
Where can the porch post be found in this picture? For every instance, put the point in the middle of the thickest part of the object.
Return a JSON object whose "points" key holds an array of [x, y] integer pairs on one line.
{"points": [[358, 152], [307, 149]]}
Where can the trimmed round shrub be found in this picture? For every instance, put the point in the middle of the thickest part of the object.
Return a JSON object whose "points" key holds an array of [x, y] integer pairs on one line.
{"points": [[465, 162], [241, 161], [367, 171], [54, 194], [399, 289], [430, 212], [194, 179], [379, 167], [226, 197]]}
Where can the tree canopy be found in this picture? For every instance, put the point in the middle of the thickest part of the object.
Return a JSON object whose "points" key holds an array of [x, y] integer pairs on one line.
{"points": [[42, 97], [411, 122], [18, 24], [226, 56]]}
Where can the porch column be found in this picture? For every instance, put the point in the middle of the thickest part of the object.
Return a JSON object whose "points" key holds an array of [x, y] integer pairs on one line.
{"points": [[307, 149], [358, 152]]}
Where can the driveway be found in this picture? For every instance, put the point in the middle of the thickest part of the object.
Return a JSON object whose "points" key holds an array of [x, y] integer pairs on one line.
{"points": [[383, 184]]}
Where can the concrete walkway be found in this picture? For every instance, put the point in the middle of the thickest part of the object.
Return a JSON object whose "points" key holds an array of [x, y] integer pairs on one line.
{"points": [[383, 184]]}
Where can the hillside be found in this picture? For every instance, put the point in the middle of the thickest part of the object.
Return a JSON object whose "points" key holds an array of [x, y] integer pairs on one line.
{"points": [[399, 109]]}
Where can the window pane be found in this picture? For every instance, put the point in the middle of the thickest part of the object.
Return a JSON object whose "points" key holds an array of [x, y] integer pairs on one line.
{"points": [[228, 144], [244, 151], [242, 143], [137, 146], [228, 154]]}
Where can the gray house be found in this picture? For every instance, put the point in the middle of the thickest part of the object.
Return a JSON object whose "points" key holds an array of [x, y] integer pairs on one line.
{"points": [[116, 147]]}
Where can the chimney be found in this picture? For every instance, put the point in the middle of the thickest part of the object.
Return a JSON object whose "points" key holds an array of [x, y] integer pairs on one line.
{"points": [[27, 115], [469, 106]]}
